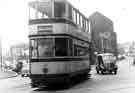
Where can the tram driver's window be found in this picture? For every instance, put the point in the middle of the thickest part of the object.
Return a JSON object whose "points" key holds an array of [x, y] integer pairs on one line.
{"points": [[61, 47]]}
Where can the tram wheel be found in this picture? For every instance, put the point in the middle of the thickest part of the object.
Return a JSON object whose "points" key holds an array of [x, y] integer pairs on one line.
{"points": [[102, 72], [86, 76], [68, 82], [97, 71], [33, 85]]}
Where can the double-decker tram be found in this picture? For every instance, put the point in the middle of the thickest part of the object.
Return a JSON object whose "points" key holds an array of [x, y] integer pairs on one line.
{"points": [[59, 42]]}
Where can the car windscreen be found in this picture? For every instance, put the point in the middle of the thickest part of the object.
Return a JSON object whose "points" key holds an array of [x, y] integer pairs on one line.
{"points": [[107, 58]]}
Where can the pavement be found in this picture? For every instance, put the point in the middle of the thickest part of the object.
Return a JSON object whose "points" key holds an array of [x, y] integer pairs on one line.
{"points": [[7, 74]]}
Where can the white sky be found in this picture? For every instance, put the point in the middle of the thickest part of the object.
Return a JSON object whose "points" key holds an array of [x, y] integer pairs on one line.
{"points": [[14, 18]]}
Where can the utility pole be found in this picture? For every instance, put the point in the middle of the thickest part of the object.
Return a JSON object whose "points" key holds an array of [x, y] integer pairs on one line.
{"points": [[102, 41], [1, 59], [101, 35], [1, 52]]}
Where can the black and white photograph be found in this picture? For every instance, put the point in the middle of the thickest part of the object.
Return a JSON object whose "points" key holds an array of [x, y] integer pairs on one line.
{"points": [[67, 46]]}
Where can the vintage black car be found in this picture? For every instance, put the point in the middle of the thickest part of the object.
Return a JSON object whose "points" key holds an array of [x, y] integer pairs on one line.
{"points": [[106, 63]]}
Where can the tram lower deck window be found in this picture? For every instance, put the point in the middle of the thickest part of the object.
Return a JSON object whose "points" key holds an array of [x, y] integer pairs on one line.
{"points": [[80, 51], [61, 46]]}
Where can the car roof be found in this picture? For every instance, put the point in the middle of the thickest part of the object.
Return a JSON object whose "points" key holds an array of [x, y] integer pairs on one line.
{"points": [[105, 54]]}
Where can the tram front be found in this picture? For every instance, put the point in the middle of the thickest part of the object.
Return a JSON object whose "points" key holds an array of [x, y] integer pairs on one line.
{"points": [[48, 59], [57, 50], [49, 46]]}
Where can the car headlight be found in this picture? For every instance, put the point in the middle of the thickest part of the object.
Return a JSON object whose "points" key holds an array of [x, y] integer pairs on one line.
{"points": [[102, 66]]}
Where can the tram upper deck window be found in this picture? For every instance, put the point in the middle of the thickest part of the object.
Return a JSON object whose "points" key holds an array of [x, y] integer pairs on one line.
{"points": [[40, 9], [45, 47], [61, 47], [34, 14], [59, 9]]}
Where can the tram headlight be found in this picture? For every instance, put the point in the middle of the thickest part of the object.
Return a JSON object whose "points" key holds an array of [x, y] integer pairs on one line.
{"points": [[45, 70]]}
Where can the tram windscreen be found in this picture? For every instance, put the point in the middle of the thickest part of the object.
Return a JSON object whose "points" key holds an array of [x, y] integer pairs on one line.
{"points": [[49, 47], [45, 47]]}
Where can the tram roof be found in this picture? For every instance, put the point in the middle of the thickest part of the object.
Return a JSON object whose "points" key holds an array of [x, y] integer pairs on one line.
{"points": [[45, 6]]}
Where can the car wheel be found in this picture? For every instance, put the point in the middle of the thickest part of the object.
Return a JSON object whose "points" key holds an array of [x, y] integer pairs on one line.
{"points": [[97, 71], [33, 85], [102, 72], [110, 72], [115, 72]]}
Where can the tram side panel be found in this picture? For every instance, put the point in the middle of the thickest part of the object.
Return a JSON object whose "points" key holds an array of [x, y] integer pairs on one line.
{"points": [[79, 67], [49, 68], [60, 28], [71, 68]]}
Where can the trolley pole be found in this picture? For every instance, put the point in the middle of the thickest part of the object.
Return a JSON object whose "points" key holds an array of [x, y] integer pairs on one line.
{"points": [[1, 62]]}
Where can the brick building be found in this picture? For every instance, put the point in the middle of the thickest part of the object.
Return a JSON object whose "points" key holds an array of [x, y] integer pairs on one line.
{"points": [[104, 39]]}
